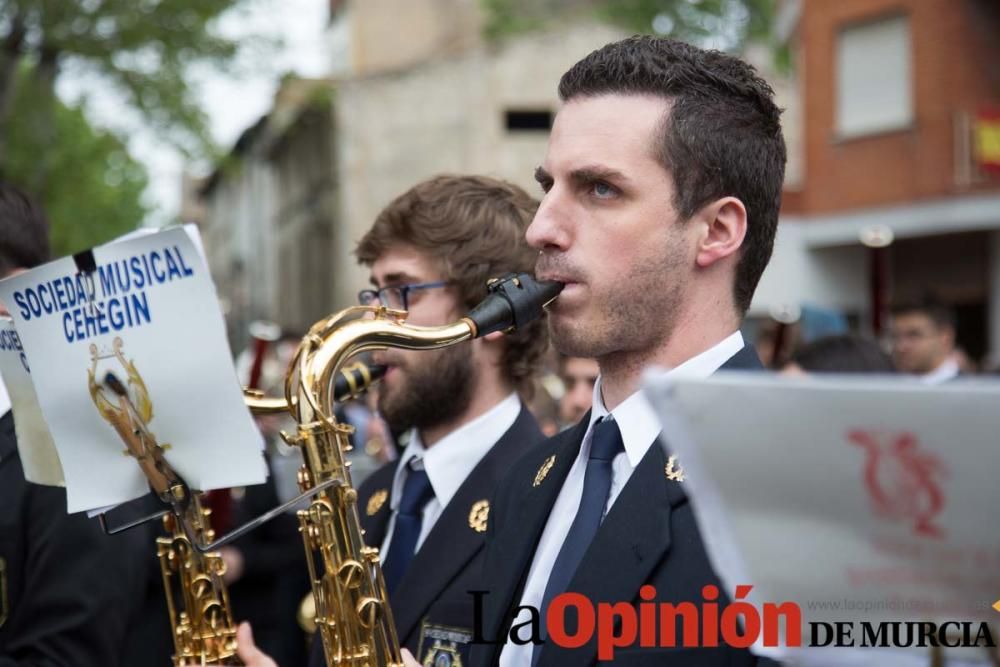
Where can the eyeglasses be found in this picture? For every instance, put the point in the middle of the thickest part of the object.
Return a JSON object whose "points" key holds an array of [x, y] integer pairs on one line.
{"points": [[396, 296]]}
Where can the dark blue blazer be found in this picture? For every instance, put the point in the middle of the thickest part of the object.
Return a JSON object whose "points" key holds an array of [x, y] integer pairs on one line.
{"points": [[68, 592], [449, 561], [649, 537]]}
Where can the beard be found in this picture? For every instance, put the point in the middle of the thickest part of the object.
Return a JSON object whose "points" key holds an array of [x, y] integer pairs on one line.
{"points": [[435, 388], [638, 312]]}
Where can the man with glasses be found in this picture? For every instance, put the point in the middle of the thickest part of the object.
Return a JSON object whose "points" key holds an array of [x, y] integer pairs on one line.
{"points": [[431, 252]]}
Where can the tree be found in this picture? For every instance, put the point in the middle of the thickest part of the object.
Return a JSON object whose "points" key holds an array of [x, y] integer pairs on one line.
{"points": [[721, 24], [93, 192], [726, 24], [142, 48]]}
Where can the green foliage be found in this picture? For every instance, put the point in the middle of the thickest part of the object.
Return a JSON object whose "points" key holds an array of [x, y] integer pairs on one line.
{"points": [[724, 22], [143, 48], [718, 23], [92, 192], [510, 17]]}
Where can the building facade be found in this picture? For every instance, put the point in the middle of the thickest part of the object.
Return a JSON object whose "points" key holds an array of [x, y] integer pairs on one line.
{"points": [[893, 93], [270, 215]]}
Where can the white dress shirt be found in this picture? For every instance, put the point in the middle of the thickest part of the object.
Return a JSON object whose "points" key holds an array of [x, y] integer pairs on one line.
{"points": [[449, 461], [639, 427], [948, 370]]}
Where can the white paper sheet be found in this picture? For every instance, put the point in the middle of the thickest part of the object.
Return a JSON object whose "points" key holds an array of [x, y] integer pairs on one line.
{"points": [[860, 499], [34, 442], [152, 305]]}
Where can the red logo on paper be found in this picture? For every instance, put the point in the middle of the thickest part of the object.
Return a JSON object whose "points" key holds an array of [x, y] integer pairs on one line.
{"points": [[903, 482]]}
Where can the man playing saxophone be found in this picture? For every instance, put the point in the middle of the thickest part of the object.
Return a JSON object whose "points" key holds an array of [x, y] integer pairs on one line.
{"points": [[431, 252]]}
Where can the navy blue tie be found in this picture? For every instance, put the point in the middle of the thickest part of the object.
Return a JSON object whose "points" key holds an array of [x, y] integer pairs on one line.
{"points": [[417, 492], [605, 444]]}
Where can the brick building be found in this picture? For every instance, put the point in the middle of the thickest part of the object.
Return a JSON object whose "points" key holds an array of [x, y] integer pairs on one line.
{"points": [[892, 92]]}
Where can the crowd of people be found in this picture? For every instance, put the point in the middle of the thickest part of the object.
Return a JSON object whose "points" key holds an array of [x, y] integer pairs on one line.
{"points": [[501, 465]]}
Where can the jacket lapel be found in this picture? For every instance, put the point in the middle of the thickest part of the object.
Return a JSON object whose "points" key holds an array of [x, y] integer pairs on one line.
{"points": [[630, 543], [453, 541], [374, 507], [744, 360], [634, 537], [515, 542]]}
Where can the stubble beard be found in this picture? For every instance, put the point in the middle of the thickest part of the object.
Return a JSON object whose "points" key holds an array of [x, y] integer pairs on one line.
{"points": [[636, 317], [435, 391]]}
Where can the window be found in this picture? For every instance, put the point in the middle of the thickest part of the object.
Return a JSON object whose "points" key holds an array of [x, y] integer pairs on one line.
{"points": [[874, 86], [528, 120]]}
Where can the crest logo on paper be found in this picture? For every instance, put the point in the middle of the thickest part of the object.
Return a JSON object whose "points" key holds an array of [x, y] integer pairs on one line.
{"points": [[136, 386], [903, 482]]}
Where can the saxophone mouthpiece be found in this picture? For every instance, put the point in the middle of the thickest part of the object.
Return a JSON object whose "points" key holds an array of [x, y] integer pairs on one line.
{"points": [[513, 301], [354, 379]]}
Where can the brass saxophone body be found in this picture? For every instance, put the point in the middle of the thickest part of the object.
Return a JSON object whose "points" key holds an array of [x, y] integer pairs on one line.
{"points": [[353, 617], [351, 600], [197, 599]]}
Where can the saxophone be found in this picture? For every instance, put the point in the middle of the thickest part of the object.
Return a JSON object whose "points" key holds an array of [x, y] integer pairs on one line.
{"points": [[351, 601], [197, 600]]}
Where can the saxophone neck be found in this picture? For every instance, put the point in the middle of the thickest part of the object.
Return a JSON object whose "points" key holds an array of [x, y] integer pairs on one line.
{"points": [[325, 352]]}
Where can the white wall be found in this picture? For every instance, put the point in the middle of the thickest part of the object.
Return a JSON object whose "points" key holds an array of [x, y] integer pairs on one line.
{"points": [[446, 117], [835, 277]]}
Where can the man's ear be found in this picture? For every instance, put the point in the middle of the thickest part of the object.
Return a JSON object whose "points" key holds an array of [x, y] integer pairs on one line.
{"points": [[724, 226]]}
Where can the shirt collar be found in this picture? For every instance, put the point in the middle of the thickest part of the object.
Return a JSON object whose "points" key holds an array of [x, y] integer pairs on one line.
{"points": [[948, 370], [454, 456], [637, 421]]}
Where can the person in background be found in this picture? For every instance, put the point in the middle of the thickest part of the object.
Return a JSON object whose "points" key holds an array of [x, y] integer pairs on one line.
{"points": [[68, 592], [923, 341], [847, 353], [579, 375]]}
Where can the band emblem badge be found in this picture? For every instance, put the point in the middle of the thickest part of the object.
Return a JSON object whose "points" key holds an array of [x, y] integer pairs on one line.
{"points": [[376, 501], [674, 472], [479, 516], [544, 470], [443, 646], [136, 387]]}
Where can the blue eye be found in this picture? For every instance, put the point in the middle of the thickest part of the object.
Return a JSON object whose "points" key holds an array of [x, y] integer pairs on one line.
{"points": [[603, 190]]}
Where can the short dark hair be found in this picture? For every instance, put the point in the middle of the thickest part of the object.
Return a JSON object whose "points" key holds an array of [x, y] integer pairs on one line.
{"points": [[941, 315], [721, 137], [472, 228], [24, 231], [846, 353]]}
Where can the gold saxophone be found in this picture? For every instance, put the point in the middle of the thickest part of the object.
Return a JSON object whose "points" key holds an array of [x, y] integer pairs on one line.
{"points": [[197, 600], [351, 602]]}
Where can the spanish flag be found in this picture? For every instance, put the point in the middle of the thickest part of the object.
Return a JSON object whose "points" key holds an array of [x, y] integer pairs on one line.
{"points": [[987, 139]]}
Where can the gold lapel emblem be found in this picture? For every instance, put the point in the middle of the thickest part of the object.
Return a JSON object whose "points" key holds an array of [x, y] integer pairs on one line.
{"points": [[674, 472], [376, 501], [544, 470], [479, 515]]}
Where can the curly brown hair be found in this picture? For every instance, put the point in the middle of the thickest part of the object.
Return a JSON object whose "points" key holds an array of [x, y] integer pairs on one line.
{"points": [[472, 228]]}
